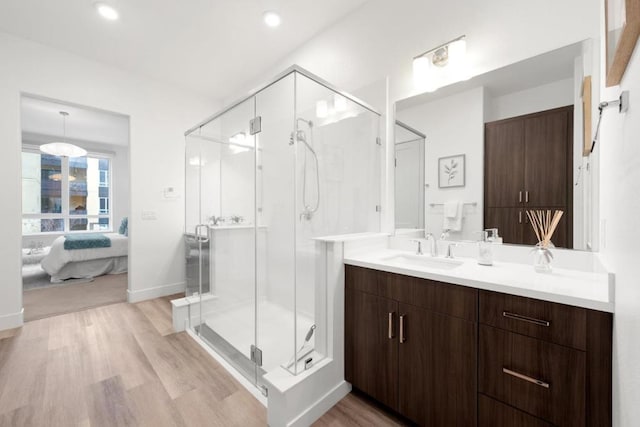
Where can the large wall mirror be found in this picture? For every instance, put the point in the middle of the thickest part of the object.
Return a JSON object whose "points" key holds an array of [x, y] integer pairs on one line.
{"points": [[497, 145]]}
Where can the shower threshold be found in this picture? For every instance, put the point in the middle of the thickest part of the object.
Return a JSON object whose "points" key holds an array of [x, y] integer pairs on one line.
{"points": [[231, 354]]}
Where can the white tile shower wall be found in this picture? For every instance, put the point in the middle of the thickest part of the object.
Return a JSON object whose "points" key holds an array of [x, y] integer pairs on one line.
{"points": [[453, 125]]}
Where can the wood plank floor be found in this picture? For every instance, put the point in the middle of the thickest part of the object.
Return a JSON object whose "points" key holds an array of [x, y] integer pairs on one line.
{"points": [[122, 365]]}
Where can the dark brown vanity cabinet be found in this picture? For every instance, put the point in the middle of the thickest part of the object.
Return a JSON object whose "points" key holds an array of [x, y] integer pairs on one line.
{"points": [[449, 355], [411, 344], [529, 165]]}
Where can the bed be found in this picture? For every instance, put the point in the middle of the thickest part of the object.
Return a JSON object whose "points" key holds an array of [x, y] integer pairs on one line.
{"points": [[62, 264]]}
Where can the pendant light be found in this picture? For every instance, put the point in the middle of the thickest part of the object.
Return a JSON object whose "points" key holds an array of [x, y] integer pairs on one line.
{"points": [[63, 149]]}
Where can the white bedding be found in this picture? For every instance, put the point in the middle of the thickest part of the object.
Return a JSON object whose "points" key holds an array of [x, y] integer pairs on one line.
{"points": [[59, 257]]}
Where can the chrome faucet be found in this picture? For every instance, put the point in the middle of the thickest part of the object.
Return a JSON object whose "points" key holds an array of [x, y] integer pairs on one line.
{"points": [[450, 251], [433, 248], [419, 250]]}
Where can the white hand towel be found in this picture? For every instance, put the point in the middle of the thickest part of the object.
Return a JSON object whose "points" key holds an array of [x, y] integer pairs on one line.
{"points": [[452, 216], [451, 208]]}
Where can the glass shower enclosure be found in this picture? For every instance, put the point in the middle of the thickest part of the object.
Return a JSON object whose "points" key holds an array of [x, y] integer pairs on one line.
{"points": [[266, 178]]}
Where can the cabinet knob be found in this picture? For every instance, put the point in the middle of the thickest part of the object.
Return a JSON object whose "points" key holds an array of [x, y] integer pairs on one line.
{"points": [[402, 338]]}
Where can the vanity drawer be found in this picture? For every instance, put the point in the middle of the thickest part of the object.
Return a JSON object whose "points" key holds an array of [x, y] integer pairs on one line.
{"points": [[557, 323], [445, 298], [543, 379], [492, 413]]}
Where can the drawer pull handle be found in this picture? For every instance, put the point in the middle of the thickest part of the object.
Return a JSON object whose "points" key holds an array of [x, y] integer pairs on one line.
{"points": [[526, 378], [526, 319], [391, 326], [402, 339]]}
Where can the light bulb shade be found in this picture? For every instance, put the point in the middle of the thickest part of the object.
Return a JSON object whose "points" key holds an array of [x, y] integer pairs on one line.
{"points": [[458, 60], [424, 74], [62, 149]]}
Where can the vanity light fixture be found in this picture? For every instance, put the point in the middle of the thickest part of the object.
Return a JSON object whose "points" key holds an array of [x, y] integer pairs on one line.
{"points": [[63, 149], [272, 19], [441, 65], [106, 11]]}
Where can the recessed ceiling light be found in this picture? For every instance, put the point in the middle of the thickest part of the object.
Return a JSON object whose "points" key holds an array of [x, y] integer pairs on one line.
{"points": [[106, 11], [272, 19]]}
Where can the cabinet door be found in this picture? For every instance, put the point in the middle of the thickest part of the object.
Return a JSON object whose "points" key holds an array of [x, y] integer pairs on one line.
{"points": [[437, 368], [548, 163], [371, 346], [504, 163], [508, 221]]}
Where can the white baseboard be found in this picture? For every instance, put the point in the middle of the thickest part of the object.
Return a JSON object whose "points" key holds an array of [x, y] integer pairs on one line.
{"points": [[13, 320], [155, 292], [322, 405]]}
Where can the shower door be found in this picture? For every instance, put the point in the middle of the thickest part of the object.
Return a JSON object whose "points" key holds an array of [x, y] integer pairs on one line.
{"points": [[221, 235]]}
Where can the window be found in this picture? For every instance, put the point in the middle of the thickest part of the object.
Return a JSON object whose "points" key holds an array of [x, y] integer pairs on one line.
{"points": [[62, 194]]}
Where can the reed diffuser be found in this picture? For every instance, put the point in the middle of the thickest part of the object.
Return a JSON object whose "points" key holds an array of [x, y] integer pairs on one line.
{"points": [[544, 224]]}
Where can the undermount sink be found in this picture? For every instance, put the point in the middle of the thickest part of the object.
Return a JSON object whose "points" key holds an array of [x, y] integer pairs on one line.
{"points": [[424, 261]]}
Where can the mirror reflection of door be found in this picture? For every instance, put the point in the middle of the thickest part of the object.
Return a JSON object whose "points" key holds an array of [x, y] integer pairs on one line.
{"points": [[409, 177]]}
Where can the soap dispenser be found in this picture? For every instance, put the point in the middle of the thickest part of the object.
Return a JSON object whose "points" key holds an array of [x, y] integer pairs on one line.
{"points": [[485, 251]]}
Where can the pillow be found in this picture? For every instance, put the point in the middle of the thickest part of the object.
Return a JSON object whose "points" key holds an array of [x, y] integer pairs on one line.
{"points": [[124, 226]]}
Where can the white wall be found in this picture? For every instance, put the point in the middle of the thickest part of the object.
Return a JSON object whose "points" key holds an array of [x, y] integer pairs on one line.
{"points": [[158, 115], [619, 150], [453, 125], [540, 98]]}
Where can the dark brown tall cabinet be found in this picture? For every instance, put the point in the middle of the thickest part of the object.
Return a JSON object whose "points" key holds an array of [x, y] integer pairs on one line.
{"points": [[529, 165]]}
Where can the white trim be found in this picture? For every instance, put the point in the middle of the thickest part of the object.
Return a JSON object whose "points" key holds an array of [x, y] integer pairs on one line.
{"points": [[318, 408], [13, 320], [251, 388], [154, 292]]}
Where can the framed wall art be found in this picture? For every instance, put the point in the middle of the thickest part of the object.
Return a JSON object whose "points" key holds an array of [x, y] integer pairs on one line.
{"points": [[622, 27], [451, 171]]}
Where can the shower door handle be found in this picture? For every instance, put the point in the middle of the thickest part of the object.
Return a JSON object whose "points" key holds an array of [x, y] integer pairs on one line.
{"points": [[198, 237]]}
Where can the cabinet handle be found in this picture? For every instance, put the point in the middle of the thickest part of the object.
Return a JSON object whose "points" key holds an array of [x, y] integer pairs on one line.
{"points": [[526, 319], [520, 196], [525, 378], [391, 326], [526, 196], [520, 217], [402, 339]]}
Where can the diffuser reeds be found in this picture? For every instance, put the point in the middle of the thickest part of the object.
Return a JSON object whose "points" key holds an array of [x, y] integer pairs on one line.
{"points": [[544, 224]]}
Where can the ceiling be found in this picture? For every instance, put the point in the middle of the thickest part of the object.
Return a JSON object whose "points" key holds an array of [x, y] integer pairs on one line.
{"points": [[41, 119], [212, 47]]}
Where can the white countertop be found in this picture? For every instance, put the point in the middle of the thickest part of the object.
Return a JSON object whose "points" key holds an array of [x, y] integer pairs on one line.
{"points": [[578, 288]]}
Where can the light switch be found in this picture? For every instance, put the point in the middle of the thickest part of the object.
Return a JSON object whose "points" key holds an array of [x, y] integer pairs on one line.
{"points": [[149, 215], [170, 193]]}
